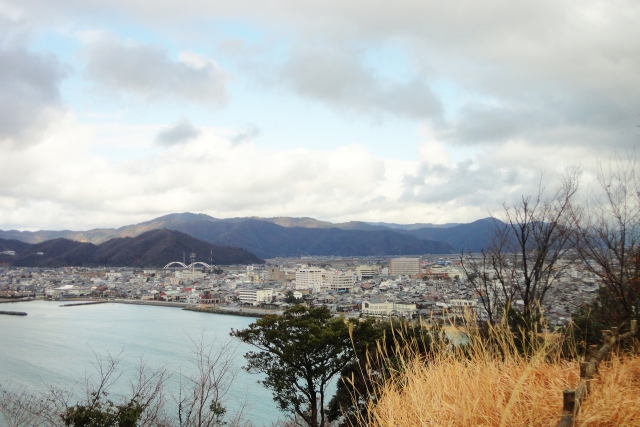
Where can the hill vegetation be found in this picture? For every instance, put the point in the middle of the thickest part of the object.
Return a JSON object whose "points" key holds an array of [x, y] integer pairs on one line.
{"points": [[288, 236], [154, 248]]}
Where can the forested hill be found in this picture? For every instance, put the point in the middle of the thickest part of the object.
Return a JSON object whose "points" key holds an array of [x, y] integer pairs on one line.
{"points": [[154, 248], [287, 236], [270, 240]]}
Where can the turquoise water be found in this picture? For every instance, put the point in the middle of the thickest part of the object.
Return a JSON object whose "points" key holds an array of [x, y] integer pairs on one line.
{"points": [[58, 345]]}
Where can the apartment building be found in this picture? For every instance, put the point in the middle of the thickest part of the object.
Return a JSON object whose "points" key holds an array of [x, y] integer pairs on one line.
{"points": [[255, 296], [309, 278], [275, 275], [367, 271], [375, 307], [404, 266], [339, 281]]}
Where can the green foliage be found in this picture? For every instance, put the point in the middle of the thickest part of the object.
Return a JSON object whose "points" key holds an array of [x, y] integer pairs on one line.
{"points": [[605, 312], [218, 412], [290, 299], [103, 414], [299, 352], [380, 348]]}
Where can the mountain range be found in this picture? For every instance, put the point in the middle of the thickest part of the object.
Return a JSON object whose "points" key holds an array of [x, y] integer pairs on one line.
{"points": [[288, 236], [154, 248]]}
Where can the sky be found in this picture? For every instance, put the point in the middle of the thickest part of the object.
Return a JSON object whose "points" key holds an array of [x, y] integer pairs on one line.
{"points": [[116, 112]]}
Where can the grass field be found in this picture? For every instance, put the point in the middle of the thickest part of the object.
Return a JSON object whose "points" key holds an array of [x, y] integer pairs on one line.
{"points": [[496, 386]]}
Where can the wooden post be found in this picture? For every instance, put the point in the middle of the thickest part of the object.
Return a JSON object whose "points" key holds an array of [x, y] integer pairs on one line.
{"points": [[583, 370], [573, 398], [568, 408], [593, 351]]}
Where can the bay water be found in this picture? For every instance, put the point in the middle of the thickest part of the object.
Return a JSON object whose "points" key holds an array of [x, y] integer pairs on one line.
{"points": [[59, 346]]}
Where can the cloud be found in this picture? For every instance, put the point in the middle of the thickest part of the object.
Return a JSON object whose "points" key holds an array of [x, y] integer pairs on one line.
{"points": [[336, 75], [63, 184], [29, 89], [148, 72], [248, 134], [181, 132]]}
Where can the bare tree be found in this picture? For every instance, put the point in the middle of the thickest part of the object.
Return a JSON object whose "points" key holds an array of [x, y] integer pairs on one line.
{"points": [[523, 259], [479, 270], [201, 396], [20, 409], [607, 238], [54, 406], [199, 401]]}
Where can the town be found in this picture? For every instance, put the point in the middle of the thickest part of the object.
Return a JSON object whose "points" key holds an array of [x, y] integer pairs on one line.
{"points": [[434, 288]]}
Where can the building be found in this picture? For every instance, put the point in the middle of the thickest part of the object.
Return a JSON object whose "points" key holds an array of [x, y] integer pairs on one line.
{"points": [[189, 274], [367, 271], [339, 281], [275, 275], [309, 278], [406, 309], [404, 266], [463, 307], [255, 296], [375, 307]]}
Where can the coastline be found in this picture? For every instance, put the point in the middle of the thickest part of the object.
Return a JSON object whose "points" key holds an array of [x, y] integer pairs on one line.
{"points": [[201, 308]]}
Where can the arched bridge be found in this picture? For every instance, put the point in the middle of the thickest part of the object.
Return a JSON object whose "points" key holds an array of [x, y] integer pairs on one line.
{"points": [[192, 265]]}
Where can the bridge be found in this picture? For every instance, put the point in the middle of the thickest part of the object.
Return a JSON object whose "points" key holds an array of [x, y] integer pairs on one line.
{"points": [[192, 265]]}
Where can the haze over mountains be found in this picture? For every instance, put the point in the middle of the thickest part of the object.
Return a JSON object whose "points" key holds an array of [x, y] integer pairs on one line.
{"points": [[287, 236], [154, 248]]}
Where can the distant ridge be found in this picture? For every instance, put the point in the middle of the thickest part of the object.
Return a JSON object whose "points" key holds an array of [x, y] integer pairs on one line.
{"points": [[292, 236], [154, 248]]}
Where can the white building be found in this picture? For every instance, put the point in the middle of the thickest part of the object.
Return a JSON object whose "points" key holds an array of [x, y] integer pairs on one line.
{"points": [[339, 281], [309, 278], [189, 274], [367, 271], [375, 307], [463, 307], [192, 298], [255, 296]]}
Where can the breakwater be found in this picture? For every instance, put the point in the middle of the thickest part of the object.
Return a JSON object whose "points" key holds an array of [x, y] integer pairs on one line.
{"points": [[149, 302], [14, 313], [234, 312], [82, 303]]}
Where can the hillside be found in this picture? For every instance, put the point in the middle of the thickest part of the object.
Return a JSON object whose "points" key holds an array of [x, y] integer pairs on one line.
{"points": [[464, 237], [154, 248], [270, 240], [12, 245], [289, 236]]}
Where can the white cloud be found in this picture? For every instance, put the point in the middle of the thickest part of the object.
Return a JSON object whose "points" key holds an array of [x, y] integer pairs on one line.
{"points": [[529, 87], [148, 72], [65, 183], [29, 89]]}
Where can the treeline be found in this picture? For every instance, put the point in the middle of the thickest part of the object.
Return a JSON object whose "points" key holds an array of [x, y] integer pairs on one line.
{"points": [[155, 248], [536, 241]]}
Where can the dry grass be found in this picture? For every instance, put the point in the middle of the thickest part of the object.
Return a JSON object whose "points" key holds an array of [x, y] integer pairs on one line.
{"points": [[497, 387], [615, 395]]}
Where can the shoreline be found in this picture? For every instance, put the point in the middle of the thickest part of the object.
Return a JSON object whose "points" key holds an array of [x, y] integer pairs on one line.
{"points": [[199, 308], [213, 309]]}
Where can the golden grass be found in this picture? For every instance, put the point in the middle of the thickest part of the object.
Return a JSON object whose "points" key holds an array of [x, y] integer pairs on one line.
{"points": [[498, 387], [615, 395]]}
